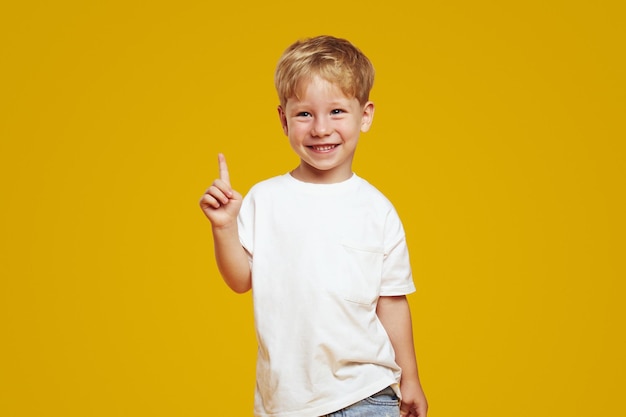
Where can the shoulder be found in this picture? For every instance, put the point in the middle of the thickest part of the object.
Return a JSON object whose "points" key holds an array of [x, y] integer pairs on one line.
{"points": [[373, 194], [380, 207], [268, 185]]}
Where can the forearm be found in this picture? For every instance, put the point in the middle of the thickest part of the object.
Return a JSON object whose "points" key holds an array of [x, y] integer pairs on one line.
{"points": [[232, 259], [395, 316]]}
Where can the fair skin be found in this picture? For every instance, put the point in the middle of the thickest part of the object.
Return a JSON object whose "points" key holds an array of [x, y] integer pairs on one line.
{"points": [[323, 127], [221, 204], [395, 316]]}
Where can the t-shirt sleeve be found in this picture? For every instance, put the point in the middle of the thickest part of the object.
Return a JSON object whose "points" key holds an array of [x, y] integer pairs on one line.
{"points": [[397, 278], [245, 224]]}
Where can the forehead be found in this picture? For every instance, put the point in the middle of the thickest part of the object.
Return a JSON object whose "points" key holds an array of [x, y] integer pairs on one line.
{"points": [[317, 89]]}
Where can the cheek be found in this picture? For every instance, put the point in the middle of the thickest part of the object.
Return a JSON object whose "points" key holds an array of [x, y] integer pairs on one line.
{"points": [[352, 129], [297, 129]]}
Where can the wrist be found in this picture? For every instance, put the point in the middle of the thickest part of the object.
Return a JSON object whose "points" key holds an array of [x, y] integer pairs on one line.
{"points": [[409, 381], [225, 228]]}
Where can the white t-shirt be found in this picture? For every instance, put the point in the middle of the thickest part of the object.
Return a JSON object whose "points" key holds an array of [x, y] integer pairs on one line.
{"points": [[321, 255]]}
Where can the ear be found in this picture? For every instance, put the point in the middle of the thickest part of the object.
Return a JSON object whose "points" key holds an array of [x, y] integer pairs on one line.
{"points": [[368, 116], [283, 119]]}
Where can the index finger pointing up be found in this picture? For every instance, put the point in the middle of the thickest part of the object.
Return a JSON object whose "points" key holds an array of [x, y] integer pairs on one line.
{"points": [[221, 159]]}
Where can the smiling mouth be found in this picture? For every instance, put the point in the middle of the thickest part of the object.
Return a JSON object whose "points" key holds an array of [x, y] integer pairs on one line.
{"points": [[323, 148]]}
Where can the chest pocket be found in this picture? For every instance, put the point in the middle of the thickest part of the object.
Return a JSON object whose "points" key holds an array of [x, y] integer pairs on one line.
{"points": [[362, 267]]}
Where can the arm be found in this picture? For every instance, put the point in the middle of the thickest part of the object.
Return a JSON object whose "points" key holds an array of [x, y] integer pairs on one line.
{"points": [[395, 316], [221, 204]]}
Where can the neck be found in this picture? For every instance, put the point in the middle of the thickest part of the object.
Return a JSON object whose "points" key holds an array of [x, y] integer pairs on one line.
{"points": [[316, 176]]}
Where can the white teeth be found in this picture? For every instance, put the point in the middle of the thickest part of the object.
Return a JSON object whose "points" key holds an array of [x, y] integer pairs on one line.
{"points": [[323, 148]]}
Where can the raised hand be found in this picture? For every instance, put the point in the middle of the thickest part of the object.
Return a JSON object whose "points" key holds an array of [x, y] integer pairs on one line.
{"points": [[220, 203]]}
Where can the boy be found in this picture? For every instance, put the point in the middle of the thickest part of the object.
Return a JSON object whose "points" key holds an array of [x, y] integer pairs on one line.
{"points": [[323, 251]]}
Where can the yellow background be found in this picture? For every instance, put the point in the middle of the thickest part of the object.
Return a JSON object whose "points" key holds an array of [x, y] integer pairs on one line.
{"points": [[499, 136]]}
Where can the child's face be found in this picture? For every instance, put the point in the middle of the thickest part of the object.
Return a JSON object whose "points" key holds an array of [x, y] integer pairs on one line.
{"points": [[323, 127]]}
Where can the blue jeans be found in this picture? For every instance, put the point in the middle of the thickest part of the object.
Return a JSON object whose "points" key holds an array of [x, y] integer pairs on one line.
{"points": [[382, 404]]}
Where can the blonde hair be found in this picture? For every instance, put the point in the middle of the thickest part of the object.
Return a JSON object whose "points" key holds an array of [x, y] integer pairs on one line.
{"points": [[333, 59]]}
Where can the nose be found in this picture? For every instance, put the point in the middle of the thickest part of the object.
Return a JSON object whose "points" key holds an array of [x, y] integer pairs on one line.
{"points": [[321, 127]]}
